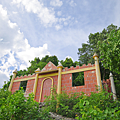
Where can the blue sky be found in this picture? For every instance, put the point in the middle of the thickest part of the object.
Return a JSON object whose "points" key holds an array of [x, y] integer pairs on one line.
{"points": [[35, 28]]}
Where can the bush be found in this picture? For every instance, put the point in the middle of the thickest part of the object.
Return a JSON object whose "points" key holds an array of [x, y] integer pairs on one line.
{"points": [[17, 107], [97, 106], [66, 103]]}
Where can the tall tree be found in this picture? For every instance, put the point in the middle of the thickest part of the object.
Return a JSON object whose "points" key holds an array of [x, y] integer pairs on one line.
{"points": [[110, 51], [68, 62], [86, 52], [110, 55]]}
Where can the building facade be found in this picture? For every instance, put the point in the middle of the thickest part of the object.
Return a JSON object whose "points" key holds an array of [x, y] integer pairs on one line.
{"points": [[74, 79]]}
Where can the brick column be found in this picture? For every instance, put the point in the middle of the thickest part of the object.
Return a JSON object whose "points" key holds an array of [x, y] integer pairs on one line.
{"points": [[12, 80], [98, 75]]}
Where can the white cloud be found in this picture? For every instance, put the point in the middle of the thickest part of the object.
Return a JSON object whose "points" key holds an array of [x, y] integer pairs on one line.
{"points": [[11, 39], [15, 49], [46, 15], [23, 67], [59, 13], [14, 12], [56, 3], [58, 27], [30, 53], [3, 78], [1, 39], [11, 59], [72, 3], [65, 23], [12, 25], [3, 12], [65, 19], [68, 58]]}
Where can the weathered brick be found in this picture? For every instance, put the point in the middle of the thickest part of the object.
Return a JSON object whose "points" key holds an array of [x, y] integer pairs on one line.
{"points": [[66, 82]]}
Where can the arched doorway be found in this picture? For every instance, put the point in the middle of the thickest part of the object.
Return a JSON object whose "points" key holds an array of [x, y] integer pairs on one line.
{"points": [[46, 86]]}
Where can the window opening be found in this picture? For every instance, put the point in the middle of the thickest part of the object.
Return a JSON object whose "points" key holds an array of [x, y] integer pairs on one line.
{"points": [[78, 79], [23, 84]]}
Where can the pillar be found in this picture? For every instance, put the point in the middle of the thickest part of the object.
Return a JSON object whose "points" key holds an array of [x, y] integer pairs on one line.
{"points": [[59, 78], [113, 86], [36, 81], [59, 82], [12, 80], [98, 75]]}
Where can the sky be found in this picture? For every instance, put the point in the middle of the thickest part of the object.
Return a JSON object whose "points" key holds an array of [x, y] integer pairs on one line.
{"points": [[35, 28]]}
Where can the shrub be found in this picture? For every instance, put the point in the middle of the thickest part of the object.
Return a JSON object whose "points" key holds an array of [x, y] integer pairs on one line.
{"points": [[17, 107], [66, 103], [97, 106]]}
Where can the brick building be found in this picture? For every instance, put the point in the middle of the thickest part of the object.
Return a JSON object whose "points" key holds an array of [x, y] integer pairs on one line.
{"points": [[67, 79]]}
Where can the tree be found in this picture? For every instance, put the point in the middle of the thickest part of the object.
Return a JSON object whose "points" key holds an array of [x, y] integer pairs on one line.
{"points": [[37, 63], [85, 54], [87, 51], [53, 59], [110, 55], [68, 62], [110, 51]]}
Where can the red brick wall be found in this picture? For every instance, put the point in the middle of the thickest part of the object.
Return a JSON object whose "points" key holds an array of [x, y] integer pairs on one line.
{"points": [[66, 83], [89, 80], [29, 87], [15, 86]]}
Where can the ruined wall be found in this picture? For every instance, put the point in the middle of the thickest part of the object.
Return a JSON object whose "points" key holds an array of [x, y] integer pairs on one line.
{"points": [[15, 86], [89, 80], [66, 82], [30, 83]]}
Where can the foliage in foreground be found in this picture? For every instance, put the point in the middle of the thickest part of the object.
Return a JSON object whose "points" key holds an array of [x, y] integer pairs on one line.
{"points": [[66, 103], [17, 107], [97, 106]]}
